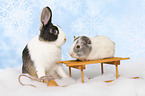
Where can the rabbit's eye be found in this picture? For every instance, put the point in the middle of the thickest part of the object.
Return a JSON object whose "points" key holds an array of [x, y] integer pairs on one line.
{"points": [[53, 31]]}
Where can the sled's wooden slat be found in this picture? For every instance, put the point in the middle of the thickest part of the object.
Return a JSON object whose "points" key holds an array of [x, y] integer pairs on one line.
{"points": [[107, 60]]}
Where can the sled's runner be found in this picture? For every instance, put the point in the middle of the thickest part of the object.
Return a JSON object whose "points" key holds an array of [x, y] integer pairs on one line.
{"points": [[45, 79], [81, 64]]}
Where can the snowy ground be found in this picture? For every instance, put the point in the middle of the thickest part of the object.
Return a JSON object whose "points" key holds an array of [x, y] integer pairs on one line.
{"points": [[96, 86]]}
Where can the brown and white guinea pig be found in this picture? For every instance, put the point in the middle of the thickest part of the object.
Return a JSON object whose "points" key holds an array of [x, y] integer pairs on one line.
{"points": [[92, 48], [41, 54]]}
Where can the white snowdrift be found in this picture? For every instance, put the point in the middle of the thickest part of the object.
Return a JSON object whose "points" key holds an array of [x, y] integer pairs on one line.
{"points": [[9, 85]]}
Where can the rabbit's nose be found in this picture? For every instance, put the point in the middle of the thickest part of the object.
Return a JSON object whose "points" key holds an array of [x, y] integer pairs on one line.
{"points": [[64, 39]]}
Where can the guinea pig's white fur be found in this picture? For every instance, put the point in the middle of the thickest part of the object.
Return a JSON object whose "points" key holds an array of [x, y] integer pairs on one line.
{"points": [[46, 55], [102, 47]]}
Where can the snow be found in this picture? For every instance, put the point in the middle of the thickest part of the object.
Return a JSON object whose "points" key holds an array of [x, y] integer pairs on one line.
{"points": [[124, 86]]}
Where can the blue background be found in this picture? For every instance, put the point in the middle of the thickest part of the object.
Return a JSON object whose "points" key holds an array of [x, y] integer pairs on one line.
{"points": [[121, 20]]}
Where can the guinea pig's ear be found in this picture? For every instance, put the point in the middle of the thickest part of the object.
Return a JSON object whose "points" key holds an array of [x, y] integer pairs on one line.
{"points": [[46, 16], [75, 38], [86, 40]]}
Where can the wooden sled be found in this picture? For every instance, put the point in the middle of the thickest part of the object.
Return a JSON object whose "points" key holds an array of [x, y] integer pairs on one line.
{"points": [[81, 65]]}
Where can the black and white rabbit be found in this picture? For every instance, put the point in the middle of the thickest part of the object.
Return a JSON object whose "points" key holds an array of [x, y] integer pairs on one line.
{"points": [[41, 54], [92, 48]]}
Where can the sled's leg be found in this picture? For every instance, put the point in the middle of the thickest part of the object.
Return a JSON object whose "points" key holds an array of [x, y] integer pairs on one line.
{"points": [[82, 74], [69, 71], [117, 72], [102, 68]]}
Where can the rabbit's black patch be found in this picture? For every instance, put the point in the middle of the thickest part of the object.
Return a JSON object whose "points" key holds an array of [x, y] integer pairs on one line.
{"points": [[49, 32], [28, 64]]}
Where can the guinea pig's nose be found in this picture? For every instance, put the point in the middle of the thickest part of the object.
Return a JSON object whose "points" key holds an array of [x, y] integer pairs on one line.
{"points": [[78, 46], [64, 39]]}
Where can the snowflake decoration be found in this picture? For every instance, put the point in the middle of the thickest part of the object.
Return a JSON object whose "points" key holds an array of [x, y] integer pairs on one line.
{"points": [[73, 6], [15, 13], [90, 23], [16, 19], [59, 6], [133, 34], [41, 4]]}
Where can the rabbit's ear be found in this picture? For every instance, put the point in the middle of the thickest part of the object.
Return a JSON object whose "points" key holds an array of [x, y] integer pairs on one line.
{"points": [[46, 15]]}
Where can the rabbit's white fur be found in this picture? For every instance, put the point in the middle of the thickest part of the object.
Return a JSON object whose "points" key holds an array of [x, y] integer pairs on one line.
{"points": [[46, 55], [102, 47]]}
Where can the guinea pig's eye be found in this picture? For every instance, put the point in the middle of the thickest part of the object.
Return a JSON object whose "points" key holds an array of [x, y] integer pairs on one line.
{"points": [[53, 31], [78, 46]]}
